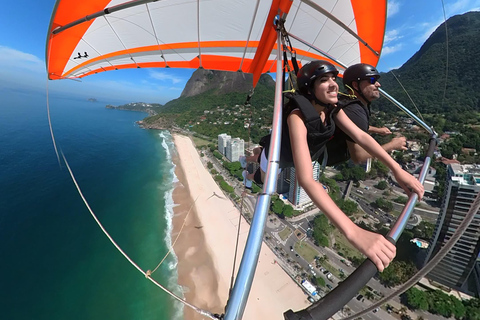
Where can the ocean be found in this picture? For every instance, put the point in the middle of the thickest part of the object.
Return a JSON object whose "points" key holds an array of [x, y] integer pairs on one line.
{"points": [[55, 261]]}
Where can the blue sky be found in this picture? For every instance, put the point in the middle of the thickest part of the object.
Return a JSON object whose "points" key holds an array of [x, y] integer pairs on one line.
{"points": [[23, 27]]}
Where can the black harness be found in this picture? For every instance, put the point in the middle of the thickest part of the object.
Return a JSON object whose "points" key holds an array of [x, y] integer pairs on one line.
{"points": [[318, 133]]}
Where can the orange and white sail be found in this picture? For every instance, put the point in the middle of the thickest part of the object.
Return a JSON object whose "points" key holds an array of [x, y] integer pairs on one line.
{"points": [[90, 36]]}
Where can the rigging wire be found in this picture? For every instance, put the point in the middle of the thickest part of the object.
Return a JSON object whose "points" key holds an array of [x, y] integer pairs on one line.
{"points": [[145, 273], [447, 53], [232, 278], [235, 255], [202, 312], [446, 67], [461, 228], [178, 236], [408, 95], [432, 263], [120, 40]]}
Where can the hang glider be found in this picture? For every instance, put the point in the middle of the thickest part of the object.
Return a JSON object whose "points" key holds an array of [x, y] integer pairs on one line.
{"points": [[91, 36]]}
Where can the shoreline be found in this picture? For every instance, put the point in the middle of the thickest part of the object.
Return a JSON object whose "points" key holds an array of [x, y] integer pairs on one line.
{"points": [[206, 246], [192, 251]]}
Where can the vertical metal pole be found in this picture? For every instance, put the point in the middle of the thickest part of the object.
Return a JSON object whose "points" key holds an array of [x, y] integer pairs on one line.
{"points": [[243, 283]]}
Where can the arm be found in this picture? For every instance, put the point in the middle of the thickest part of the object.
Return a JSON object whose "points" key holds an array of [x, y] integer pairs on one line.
{"points": [[373, 245], [406, 181], [383, 131], [359, 155]]}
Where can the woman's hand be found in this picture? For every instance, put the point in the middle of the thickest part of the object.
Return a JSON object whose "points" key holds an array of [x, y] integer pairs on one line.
{"points": [[375, 246], [409, 183]]}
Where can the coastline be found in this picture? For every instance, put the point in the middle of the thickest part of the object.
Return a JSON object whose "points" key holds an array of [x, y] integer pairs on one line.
{"points": [[195, 266], [206, 247]]}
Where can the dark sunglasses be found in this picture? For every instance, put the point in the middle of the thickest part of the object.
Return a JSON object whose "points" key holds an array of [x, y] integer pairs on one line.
{"points": [[372, 80]]}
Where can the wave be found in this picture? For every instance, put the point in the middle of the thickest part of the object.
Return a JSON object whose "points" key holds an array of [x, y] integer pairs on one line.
{"points": [[169, 166]]}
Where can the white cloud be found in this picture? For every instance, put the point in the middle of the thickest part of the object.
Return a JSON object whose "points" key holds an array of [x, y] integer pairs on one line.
{"points": [[392, 35], [11, 58], [391, 49], [461, 6], [393, 7], [165, 76]]}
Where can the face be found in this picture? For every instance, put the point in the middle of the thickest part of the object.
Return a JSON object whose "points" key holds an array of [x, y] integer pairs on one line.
{"points": [[326, 89], [369, 89]]}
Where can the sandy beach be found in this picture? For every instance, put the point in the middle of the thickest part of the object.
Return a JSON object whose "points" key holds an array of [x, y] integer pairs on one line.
{"points": [[206, 246]]}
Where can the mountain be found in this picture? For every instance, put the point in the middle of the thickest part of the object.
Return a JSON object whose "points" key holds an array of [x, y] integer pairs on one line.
{"points": [[217, 82], [150, 108], [213, 102], [424, 74]]}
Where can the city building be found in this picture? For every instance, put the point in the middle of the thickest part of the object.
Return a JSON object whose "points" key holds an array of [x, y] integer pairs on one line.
{"points": [[235, 149], [223, 139], [457, 269], [296, 194]]}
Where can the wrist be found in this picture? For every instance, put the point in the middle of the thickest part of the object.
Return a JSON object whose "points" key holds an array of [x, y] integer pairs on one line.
{"points": [[350, 232], [396, 168]]}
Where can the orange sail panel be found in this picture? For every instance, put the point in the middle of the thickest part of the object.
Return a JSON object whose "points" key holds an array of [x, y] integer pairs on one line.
{"points": [[231, 35]]}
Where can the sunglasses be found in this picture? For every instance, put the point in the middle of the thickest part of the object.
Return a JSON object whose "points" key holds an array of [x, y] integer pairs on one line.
{"points": [[372, 80]]}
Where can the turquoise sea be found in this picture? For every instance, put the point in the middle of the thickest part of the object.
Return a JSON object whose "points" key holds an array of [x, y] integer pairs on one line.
{"points": [[55, 261]]}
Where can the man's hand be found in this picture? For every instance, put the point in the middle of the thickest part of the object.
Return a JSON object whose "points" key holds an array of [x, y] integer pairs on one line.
{"points": [[382, 131], [399, 143]]}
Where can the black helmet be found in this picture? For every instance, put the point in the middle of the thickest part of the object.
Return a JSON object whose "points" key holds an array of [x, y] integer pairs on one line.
{"points": [[357, 72], [311, 71]]}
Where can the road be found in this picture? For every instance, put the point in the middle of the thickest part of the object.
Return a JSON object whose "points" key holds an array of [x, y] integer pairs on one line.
{"points": [[294, 264]]}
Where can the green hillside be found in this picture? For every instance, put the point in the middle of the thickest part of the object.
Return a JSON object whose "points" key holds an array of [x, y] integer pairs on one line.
{"points": [[456, 97]]}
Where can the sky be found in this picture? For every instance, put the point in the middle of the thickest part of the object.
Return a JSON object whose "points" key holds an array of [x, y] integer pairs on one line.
{"points": [[24, 24]]}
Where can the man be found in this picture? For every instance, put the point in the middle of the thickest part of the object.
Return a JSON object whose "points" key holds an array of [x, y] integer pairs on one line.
{"points": [[362, 80]]}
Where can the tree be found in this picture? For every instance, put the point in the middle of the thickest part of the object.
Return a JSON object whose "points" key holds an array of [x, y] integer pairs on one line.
{"points": [[347, 206], [287, 211], [209, 165], [321, 229], [416, 299], [397, 272], [225, 186], [383, 204], [472, 309], [401, 199], [277, 206], [321, 239], [382, 185]]}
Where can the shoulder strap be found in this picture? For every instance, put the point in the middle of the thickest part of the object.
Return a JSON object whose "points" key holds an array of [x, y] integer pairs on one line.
{"points": [[357, 101], [305, 107]]}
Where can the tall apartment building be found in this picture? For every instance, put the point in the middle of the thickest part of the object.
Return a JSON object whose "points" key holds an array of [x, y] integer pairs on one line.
{"points": [[235, 149], [457, 269], [296, 194], [222, 143]]}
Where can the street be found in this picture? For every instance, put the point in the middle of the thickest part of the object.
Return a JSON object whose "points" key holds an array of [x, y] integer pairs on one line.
{"points": [[297, 267]]}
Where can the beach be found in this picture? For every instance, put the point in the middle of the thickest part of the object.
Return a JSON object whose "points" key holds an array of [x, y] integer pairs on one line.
{"points": [[205, 248]]}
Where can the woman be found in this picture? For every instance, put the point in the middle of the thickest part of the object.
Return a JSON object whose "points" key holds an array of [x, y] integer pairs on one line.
{"points": [[305, 139]]}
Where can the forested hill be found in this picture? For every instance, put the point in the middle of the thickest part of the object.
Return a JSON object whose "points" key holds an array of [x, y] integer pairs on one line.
{"points": [[423, 75], [213, 103]]}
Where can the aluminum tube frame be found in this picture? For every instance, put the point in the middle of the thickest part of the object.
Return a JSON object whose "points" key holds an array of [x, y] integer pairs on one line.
{"points": [[345, 291], [402, 220], [243, 283], [385, 94], [414, 117]]}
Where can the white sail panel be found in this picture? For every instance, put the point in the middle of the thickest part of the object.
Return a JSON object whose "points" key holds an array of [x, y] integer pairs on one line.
{"points": [[214, 34]]}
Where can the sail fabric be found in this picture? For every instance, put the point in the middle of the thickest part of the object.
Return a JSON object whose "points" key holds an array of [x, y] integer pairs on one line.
{"points": [[231, 35]]}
